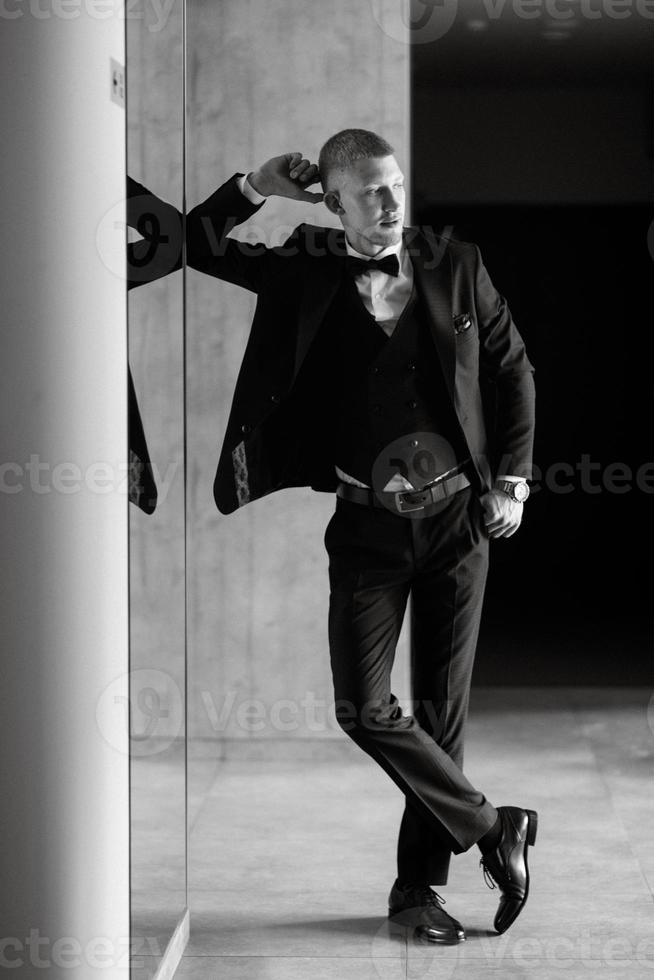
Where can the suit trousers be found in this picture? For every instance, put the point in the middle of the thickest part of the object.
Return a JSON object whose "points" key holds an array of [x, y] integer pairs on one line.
{"points": [[376, 560]]}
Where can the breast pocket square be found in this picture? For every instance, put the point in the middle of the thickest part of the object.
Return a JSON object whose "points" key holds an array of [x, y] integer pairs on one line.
{"points": [[462, 322]]}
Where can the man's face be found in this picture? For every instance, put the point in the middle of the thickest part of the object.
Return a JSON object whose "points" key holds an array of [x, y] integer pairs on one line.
{"points": [[371, 196]]}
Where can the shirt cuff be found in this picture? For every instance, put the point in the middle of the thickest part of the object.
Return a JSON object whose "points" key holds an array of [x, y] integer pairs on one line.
{"points": [[513, 479], [248, 190]]}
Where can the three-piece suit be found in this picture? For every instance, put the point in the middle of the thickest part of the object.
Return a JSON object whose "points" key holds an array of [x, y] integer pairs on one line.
{"points": [[321, 386]]}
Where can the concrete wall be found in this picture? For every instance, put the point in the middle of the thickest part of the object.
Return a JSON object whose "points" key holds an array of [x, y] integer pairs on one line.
{"points": [[263, 79], [64, 846], [156, 356]]}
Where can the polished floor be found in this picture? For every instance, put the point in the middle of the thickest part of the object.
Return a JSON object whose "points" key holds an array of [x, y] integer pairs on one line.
{"points": [[291, 859]]}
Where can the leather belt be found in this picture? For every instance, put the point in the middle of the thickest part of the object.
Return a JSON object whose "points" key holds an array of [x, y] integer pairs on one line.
{"points": [[404, 501]]}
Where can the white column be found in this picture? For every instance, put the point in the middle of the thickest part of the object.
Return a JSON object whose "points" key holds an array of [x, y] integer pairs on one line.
{"points": [[64, 815]]}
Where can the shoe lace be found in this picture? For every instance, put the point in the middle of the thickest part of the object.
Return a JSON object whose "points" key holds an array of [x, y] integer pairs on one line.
{"points": [[488, 878], [424, 895]]}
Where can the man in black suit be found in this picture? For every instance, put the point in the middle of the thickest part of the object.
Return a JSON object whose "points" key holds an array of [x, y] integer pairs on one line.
{"points": [[370, 350]]}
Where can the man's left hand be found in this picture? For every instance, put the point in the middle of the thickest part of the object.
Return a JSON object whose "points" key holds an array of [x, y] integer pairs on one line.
{"points": [[502, 515]]}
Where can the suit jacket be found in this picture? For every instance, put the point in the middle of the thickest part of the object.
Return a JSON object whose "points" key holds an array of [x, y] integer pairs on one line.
{"points": [[265, 447]]}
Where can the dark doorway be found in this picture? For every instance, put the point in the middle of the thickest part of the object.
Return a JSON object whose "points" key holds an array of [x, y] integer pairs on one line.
{"points": [[539, 147]]}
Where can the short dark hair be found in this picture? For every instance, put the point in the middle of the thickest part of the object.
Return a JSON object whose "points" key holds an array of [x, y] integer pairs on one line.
{"points": [[342, 149]]}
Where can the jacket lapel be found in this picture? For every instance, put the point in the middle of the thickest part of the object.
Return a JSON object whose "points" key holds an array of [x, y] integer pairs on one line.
{"points": [[320, 285], [433, 276]]}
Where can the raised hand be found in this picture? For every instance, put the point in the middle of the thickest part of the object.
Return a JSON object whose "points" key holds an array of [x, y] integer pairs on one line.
{"points": [[287, 176]]}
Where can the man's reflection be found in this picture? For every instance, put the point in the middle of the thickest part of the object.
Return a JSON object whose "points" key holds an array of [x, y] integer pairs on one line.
{"points": [[156, 254]]}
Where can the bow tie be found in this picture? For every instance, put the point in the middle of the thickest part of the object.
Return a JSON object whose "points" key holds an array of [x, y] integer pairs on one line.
{"points": [[390, 264]]}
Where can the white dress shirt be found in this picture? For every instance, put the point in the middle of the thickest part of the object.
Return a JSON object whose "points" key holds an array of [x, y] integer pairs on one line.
{"points": [[384, 296]]}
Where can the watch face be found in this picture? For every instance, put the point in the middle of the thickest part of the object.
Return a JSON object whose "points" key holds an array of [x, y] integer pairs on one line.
{"points": [[521, 492]]}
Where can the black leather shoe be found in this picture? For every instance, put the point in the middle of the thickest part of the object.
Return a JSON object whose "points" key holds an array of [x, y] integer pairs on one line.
{"points": [[506, 865], [419, 907]]}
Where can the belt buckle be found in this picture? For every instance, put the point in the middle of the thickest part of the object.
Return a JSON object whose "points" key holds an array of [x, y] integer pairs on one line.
{"points": [[404, 506]]}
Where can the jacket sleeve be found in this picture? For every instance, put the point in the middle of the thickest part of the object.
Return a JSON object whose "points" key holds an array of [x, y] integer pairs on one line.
{"points": [[159, 252], [208, 249], [504, 362]]}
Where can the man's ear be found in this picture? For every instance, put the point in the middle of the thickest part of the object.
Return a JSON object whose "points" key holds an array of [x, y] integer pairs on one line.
{"points": [[332, 202]]}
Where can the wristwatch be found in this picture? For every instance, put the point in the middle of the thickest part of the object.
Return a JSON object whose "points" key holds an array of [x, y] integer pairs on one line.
{"points": [[516, 490]]}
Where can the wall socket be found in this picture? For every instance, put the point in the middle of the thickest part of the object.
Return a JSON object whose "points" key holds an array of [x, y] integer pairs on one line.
{"points": [[117, 83]]}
